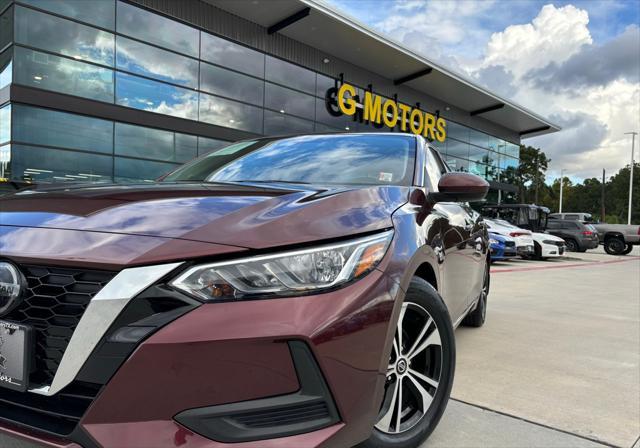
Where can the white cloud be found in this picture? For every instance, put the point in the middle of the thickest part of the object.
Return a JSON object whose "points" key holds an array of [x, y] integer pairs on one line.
{"points": [[553, 36]]}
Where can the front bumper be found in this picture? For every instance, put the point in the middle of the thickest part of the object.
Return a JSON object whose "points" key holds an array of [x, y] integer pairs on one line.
{"points": [[552, 250], [526, 250], [225, 353]]}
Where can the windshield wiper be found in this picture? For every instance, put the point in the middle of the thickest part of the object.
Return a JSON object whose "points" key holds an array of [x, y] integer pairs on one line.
{"points": [[271, 181]]}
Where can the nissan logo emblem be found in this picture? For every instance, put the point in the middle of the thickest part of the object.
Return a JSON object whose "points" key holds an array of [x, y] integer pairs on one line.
{"points": [[11, 285]]}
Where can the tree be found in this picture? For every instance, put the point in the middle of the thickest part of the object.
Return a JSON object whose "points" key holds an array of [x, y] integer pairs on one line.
{"points": [[531, 173]]}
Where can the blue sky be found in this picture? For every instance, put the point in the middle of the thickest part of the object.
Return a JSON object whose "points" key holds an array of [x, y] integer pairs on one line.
{"points": [[579, 59]]}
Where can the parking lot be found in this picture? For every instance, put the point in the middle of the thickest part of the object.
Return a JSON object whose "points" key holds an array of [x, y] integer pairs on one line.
{"points": [[557, 363]]}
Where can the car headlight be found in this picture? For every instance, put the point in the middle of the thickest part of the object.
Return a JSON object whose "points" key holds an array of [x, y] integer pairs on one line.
{"points": [[286, 273], [551, 242], [492, 241]]}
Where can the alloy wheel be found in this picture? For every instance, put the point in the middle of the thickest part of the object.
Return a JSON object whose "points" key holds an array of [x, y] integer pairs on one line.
{"points": [[413, 373]]}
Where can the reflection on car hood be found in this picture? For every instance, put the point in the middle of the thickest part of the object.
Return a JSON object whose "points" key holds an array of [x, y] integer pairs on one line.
{"points": [[248, 216], [538, 236]]}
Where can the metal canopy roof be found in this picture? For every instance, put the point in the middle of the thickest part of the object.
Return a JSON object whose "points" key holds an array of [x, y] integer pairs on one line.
{"points": [[331, 31]]}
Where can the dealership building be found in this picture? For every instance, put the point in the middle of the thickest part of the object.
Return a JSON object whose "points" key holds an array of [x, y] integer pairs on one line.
{"points": [[106, 90]]}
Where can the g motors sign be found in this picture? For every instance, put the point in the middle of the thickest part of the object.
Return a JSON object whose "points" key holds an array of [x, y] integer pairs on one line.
{"points": [[387, 112]]}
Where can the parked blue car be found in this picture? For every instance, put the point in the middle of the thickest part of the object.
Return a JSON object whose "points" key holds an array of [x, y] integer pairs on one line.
{"points": [[502, 247]]}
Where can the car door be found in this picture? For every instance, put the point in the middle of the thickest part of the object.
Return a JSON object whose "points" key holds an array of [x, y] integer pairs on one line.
{"points": [[460, 230]]}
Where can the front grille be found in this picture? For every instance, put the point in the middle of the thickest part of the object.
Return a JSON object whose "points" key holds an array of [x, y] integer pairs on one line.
{"points": [[510, 244], [58, 414], [55, 300]]}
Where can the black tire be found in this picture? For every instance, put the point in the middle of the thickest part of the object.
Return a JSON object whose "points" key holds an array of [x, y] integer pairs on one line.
{"points": [[614, 246], [572, 245], [423, 294], [537, 251], [478, 316], [628, 249]]}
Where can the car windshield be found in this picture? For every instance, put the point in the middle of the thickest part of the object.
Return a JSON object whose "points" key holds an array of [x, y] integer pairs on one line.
{"points": [[321, 159]]}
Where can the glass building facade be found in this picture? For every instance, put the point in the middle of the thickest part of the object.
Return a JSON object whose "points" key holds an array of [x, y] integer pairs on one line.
{"points": [[118, 53]]}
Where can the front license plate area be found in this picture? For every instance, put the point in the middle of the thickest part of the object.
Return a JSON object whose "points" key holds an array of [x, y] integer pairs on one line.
{"points": [[16, 342]]}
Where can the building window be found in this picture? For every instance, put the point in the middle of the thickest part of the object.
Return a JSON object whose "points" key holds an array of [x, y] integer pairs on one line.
{"points": [[291, 75], [52, 128], [230, 114], [6, 28], [223, 82], [5, 124], [186, 147], [6, 67], [158, 30], [37, 164], [154, 96], [456, 148], [228, 54], [59, 74], [152, 62], [95, 12], [456, 163], [132, 170], [276, 123], [80, 42], [289, 101], [206, 145], [148, 143]]}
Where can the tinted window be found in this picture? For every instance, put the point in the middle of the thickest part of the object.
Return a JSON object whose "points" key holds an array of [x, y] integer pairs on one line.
{"points": [[323, 83], [551, 224], [63, 75], [290, 75], [229, 113], [276, 123], [153, 96], [186, 147], [143, 142], [231, 84], [149, 27], [337, 159], [457, 149], [53, 128], [289, 101], [457, 131], [478, 138], [6, 68], [456, 164], [340, 123], [62, 36], [96, 12], [57, 165], [132, 170], [6, 28], [206, 145], [149, 61], [571, 216], [5, 124], [223, 52]]}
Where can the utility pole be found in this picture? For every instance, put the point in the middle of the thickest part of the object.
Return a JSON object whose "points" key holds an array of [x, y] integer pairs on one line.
{"points": [[602, 209], [633, 141], [561, 184], [537, 175]]}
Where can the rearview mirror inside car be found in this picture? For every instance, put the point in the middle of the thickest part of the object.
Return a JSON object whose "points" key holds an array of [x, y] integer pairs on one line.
{"points": [[460, 187]]}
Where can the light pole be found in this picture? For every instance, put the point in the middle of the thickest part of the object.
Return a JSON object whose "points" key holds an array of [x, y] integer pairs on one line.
{"points": [[633, 141], [561, 183]]}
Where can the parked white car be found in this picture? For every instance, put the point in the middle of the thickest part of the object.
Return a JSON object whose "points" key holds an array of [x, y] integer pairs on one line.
{"points": [[524, 239], [547, 246]]}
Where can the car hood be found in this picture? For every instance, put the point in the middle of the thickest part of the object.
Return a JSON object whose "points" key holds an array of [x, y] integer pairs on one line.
{"points": [[545, 236], [253, 216]]}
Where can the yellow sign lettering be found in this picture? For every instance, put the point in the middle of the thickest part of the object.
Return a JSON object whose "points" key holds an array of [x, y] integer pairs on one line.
{"points": [[347, 105]]}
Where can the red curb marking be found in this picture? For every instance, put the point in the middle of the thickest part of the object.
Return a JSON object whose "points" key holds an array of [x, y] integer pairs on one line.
{"points": [[575, 265]]}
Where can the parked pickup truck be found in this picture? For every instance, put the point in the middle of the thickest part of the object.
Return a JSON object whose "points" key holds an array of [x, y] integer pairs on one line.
{"points": [[618, 239]]}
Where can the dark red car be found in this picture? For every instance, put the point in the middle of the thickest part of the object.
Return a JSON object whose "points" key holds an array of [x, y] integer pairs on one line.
{"points": [[281, 292]]}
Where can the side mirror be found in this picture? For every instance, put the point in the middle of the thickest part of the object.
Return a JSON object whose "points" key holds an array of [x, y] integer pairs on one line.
{"points": [[460, 187]]}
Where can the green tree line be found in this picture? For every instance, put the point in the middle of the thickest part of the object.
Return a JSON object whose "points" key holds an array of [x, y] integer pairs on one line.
{"points": [[530, 177]]}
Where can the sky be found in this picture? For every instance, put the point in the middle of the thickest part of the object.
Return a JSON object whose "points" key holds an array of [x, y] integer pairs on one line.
{"points": [[577, 63]]}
